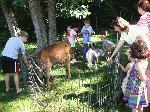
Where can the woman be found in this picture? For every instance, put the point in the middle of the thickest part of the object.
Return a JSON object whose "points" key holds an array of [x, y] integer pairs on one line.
{"points": [[144, 10], [129, 33]]}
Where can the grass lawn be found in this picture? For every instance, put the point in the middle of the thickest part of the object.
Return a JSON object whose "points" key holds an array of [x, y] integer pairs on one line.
{"points": [[78, 94]]}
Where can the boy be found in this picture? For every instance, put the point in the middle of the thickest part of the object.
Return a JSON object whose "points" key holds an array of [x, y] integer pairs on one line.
{"points": [[107, 44], [10, 65], [86, 32]]}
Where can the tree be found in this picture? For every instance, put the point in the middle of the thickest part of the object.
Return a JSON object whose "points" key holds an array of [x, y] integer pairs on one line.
{"points": [[52, 20], [10, 18], [38, 22]]}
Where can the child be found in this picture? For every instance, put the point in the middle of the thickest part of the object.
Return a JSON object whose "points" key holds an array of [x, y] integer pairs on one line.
{"points": [[68, 34], [107, 44], [10, 65], [86, 32], [126, 69], [136, 91], [71, 37]]}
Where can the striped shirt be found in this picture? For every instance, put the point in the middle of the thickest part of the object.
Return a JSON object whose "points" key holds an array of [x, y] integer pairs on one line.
{"points": [[145, 21]]}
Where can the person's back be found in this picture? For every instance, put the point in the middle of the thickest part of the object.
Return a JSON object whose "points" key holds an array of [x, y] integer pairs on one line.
{"points": [[13, 47], [10, 63], [144, 10]]}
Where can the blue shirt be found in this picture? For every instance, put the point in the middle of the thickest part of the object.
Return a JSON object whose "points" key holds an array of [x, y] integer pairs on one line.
{"points": [[87, 31], [13, 47], [107, 43]]}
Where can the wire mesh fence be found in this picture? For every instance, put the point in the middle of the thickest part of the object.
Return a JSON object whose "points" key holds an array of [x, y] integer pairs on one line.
{"points": [[89, 90]]}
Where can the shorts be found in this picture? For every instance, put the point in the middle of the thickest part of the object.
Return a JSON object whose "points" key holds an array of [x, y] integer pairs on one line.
{"points": [[10, 65], [72, 44]]}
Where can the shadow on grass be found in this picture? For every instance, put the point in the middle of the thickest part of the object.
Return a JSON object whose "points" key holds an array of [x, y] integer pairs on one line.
{"points": [[11, 95], [92, 99]]}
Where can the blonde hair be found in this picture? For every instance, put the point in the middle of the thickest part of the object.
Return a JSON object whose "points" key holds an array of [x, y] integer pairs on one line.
{"points": [[23, 34], [121, 23]]}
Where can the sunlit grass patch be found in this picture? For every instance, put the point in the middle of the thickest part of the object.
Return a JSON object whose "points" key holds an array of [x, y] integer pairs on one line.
{"points": [[77, 94]]}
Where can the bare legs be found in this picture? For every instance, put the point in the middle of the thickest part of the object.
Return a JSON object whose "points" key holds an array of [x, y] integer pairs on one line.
{"points": [[16, 80], [7, 81], [137, 109]]}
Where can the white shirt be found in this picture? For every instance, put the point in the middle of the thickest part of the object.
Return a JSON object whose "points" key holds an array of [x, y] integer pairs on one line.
{"points": [[13, 47], [134, 32], [73, 34]]}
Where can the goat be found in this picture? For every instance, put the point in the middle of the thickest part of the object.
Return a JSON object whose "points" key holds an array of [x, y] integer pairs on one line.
{"points": [[56, 53], [92, 54]]}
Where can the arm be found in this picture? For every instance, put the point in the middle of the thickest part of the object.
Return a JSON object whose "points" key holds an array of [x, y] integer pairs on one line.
{"points": [[125, 69], [141, 71], [76, 38], [22, 48], [119, 45], [82, 30], [147, 41], [144, 35], [25, 60]]}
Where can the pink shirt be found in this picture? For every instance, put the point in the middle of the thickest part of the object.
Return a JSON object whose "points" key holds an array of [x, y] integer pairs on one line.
{"points": [[72, 35], [145, 21]]}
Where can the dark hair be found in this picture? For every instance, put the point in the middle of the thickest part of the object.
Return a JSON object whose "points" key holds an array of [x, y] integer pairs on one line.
{"points": [[144, 5], [139, 50], [87, 21], [23, 34]]}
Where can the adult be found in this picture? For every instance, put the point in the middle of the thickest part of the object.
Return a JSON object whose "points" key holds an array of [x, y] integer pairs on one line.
{"points": [[129, 34], [144, 21]]}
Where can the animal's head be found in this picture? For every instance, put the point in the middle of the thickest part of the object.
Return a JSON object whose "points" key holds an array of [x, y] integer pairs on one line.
{"points": [[89, 45]]}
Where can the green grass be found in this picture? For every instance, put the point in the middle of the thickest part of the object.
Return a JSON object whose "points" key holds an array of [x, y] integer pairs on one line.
{"points": [[65, 95]]}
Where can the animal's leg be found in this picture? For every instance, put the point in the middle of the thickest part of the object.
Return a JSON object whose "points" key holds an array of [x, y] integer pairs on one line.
{"points": [[72, 53], [48, 77], [68, 67]]}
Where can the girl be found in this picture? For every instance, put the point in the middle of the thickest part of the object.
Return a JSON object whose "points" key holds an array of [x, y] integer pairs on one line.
{"points": [[136, 91], [126, 69]]}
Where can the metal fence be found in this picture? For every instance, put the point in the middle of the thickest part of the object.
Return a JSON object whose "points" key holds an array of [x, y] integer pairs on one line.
{"points": [[90, 90]]}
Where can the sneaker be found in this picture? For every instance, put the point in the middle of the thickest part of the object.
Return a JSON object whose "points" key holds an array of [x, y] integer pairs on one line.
{"points": [[73, 61], [7, 89], [19, 90]]}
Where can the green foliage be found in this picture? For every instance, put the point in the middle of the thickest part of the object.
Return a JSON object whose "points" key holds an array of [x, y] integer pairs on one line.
{"points": [[20, 2], [65, 95], [4, 34]]}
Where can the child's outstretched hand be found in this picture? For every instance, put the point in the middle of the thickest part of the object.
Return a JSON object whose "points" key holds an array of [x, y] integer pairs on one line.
{"points": [[30, 66]]}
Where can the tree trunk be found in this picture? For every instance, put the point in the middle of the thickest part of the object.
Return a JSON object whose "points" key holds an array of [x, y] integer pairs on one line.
{"points": [[52, 20], [10, 19], [38, 22]]}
